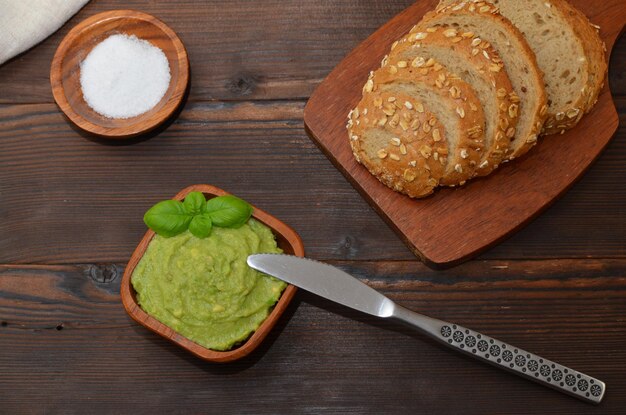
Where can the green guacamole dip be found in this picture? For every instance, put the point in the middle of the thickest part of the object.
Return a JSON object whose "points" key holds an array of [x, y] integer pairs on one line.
{"points": [[204, 289]]}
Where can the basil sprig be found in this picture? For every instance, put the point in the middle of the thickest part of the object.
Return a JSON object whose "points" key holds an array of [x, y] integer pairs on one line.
{"points": [[228, 211], [195, 203], [168, 218], [172, 217], [201, 225]]}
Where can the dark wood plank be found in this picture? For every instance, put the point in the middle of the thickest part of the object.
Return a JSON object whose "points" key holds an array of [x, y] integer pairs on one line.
{"points": [[68, 346], [88, 198], [238, 50], [454, 225], [617, 74]]}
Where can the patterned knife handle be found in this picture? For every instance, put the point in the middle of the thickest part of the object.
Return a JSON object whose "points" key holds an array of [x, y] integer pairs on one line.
{"points": [[506, 356]]}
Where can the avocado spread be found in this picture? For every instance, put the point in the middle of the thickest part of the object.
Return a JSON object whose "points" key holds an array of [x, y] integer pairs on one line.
{"points": [[204, 289]]}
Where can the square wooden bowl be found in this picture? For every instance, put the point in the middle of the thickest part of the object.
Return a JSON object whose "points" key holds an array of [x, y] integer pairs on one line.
{"points": [[287, 239]]}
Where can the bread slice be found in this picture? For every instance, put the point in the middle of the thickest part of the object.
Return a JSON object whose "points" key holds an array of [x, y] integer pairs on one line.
{"points": [[568, 50], [395, 142], [461, 115], [487, 24], [595, 58], [456, 51]]}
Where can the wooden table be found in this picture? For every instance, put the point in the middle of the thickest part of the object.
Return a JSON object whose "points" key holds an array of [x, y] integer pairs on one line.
{"points": [[71, 209]]}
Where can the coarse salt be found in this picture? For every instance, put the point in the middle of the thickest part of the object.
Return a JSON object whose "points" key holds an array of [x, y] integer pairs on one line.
{"points": [[124, 76]]}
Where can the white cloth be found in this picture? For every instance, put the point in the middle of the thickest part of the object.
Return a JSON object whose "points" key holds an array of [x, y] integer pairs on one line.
{"points": [[24, 23]]}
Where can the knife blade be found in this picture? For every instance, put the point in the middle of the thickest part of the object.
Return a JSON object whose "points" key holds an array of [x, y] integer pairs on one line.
{"points": [[338, 286], [323, 280]]}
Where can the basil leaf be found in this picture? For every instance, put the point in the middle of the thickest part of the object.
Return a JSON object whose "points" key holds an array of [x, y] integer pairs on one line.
{"points": [[201, 226], [228, 211], [167, 218], [195, 203]]}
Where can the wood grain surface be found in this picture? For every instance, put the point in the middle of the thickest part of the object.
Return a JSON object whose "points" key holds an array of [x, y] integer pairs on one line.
{"points": [[454, 225], [70, 217], [68, 344]]}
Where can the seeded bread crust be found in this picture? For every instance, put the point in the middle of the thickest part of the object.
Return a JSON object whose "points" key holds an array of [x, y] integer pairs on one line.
{"points": [[588, 69], [464, 109], [595, 60], [485, 64], [527, 130], [405, 161]]}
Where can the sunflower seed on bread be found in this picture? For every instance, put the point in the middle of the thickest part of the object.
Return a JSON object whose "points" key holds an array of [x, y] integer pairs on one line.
{"points": [[568, 50], [388, 136], [484, 21], [461, 115], [462, 53]]}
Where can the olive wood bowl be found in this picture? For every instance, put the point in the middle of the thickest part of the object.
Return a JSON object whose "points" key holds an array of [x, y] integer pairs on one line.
{"points": [[74, 48], [288, 240]]}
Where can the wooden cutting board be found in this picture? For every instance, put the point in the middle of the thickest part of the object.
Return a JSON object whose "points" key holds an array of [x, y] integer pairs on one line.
{"points": [[455, 224]]}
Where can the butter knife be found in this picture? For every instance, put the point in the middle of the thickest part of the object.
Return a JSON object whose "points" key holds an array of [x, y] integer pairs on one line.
{"points": [[334, 284]]}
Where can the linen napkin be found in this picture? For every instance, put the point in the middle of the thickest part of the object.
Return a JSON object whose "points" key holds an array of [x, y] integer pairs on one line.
{"points": [[24, 23]]}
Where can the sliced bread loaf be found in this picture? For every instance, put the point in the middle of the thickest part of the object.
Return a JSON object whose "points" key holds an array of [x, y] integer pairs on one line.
{"points": [[568, 50], [457, 51], [461, 115], [483, 20], [395, 142], [597, 67]]}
